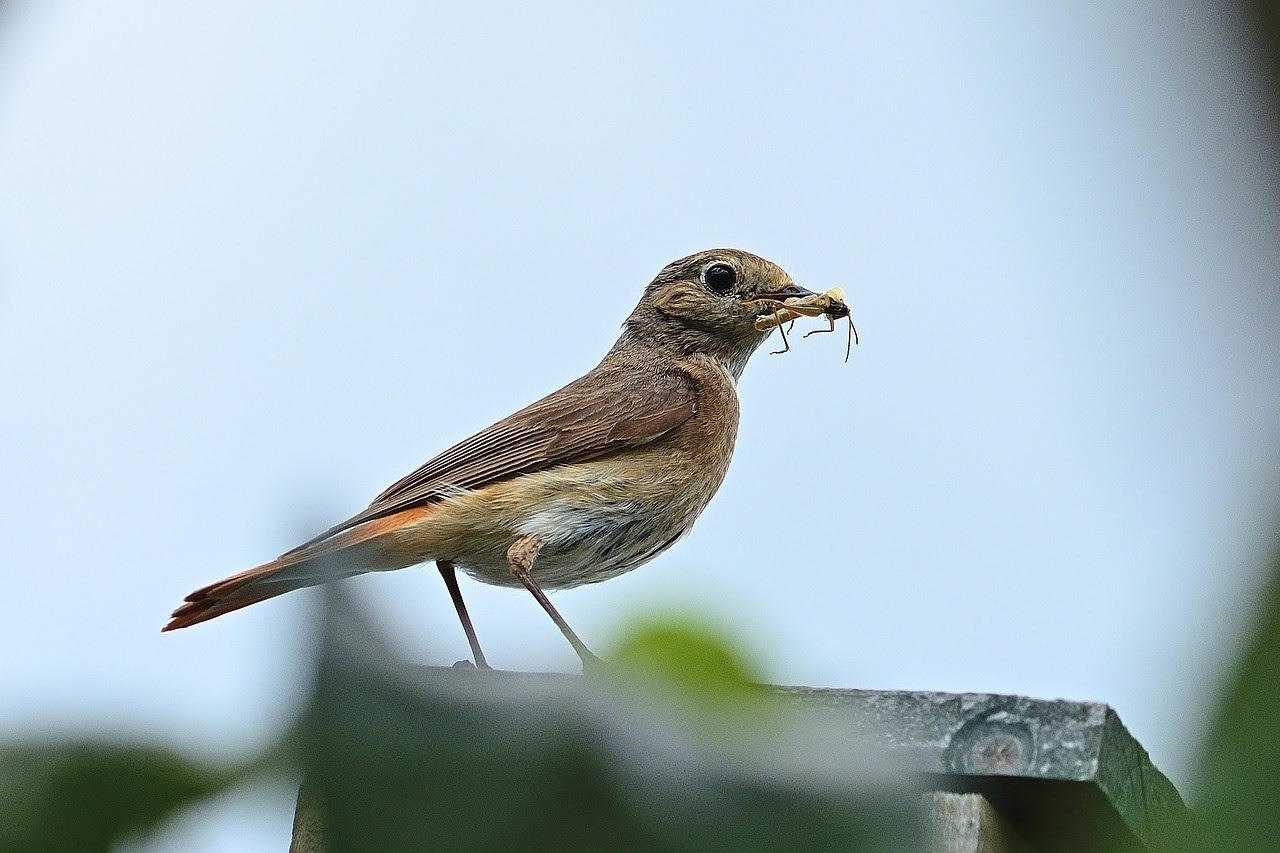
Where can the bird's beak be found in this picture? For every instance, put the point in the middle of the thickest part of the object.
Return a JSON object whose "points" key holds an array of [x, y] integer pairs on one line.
{"points": [[791, 290], [767, 302]]}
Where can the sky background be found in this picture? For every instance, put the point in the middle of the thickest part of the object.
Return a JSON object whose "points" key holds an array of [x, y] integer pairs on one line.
{"points": [[259, 260]]}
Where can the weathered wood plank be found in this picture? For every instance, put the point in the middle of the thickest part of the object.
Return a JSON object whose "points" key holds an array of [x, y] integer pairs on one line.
{"points": [[1061, 773], [966, 823], [308, 836]]}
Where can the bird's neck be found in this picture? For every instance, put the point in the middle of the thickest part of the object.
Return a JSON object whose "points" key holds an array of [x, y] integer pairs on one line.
{"points": [[649, 345]]}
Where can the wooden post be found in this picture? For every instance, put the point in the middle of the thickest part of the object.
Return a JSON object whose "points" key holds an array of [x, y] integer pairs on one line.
{"points": [[308, 836], [967, 823]]}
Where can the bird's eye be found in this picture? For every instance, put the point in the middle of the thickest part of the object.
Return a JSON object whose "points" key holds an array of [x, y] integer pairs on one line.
{"points": [[720, 278]]}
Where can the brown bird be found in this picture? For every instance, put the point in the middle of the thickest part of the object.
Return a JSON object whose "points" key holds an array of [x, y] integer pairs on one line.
{"points": [[583, 485]]}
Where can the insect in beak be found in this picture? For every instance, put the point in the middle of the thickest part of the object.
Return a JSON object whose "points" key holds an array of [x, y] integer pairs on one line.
{"points": [[830, 305]]}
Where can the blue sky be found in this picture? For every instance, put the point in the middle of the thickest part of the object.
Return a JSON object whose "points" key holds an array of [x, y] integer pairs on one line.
{"points": [[259, 260]]}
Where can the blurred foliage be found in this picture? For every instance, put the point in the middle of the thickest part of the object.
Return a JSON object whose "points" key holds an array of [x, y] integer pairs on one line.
{"points": [[405, 759], [1237, 796], [672, 746], [688, 656], [87, 795], [1237, 784]]}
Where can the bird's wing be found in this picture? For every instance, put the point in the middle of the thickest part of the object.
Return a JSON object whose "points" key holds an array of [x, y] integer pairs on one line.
{"points": [[594, 416]]}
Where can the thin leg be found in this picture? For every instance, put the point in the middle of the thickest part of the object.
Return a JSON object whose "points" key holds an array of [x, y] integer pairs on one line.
{"points": [[520, 557], [853, 334], [450, 576], [786, 345], [831, 320]]}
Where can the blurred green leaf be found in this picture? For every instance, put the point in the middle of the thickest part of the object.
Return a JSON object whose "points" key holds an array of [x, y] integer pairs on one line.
{"points": [[1238, 783], [88, 795], [402, 758], [697, 678], [688, 657]]}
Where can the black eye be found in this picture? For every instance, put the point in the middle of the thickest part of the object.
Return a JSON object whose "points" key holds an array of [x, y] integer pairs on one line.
{"points": [[720, 278]]}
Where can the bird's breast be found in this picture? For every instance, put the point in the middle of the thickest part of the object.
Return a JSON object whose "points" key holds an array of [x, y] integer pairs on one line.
{"points": [[601, 518]]}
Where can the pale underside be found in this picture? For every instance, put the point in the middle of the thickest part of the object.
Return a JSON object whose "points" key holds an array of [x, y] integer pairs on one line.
{"points": [[597, 521]]}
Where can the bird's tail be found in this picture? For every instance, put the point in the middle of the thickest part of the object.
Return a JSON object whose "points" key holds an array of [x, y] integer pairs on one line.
{"points": [[367, 547]]}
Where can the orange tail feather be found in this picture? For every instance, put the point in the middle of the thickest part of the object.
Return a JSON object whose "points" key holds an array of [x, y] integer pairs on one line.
{"points": [[348, 553]]}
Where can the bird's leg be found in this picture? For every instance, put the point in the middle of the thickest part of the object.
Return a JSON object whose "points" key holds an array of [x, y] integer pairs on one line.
{"points": [[520, 557], [450, 576]]}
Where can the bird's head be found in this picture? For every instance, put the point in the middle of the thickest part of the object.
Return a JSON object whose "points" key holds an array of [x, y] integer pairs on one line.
{"points": [[709, 302]]}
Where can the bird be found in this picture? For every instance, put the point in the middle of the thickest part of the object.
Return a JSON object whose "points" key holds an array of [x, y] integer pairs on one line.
{"points": [[581, 486]]}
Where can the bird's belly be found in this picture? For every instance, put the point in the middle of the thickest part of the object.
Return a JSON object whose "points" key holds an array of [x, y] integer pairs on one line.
{"points": [[593, 525], [582, 545]]}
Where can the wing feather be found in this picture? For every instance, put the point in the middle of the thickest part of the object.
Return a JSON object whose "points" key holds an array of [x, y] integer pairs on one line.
{"points": [[594, 416]]}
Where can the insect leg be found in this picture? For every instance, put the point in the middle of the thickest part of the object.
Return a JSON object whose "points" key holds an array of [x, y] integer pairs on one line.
{"points": [[853, 338], [786, 345], [831, 320]]}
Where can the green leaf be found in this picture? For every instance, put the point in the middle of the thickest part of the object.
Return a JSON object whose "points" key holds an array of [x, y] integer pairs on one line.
{"points": [[687, 656], [403, 758], [88, 795], [1239, 776]]}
